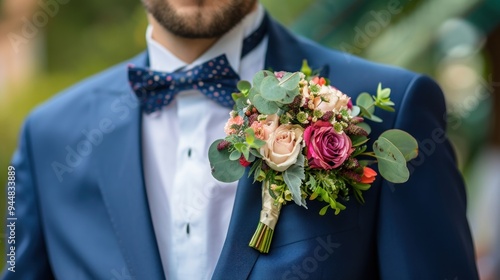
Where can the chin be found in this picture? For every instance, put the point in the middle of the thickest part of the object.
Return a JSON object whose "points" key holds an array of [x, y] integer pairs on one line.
{"points": [[198, 4]]}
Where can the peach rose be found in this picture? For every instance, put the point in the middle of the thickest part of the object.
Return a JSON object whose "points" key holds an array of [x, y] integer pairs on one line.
{"points": [[258, 129], [336, 99], [283, 147]]}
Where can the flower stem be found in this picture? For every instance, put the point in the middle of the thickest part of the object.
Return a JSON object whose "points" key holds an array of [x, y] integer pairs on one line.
{"points": [[261, 239]]}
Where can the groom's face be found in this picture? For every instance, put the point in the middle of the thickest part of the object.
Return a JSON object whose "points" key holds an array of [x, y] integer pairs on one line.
{"points": [[198, 18]]}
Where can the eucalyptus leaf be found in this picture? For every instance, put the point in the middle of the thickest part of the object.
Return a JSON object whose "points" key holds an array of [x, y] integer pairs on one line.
{"points": [[374, 118], [366, 127], [257, 143], [366, 101], [259, 76], [405, 143], [224, 169], [244, 86], [256, 153], [355, 111], [241, 102], [271, 90], [246, 152], [251, 157], [264, 106], [290, 81], [251, 94], [386, 108], [235, 155], [289, 96], [364, 112], [391, 162]]}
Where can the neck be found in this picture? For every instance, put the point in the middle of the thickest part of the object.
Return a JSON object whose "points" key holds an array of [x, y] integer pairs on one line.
{"points": [[186, 49]]}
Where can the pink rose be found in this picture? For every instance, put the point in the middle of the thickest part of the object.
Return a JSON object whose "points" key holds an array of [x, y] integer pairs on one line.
{"points": [[283, 147], [326, 148], [228, 129]]}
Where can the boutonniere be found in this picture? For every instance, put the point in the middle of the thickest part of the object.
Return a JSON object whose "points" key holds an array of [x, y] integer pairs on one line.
{"points": [[305, 140]]}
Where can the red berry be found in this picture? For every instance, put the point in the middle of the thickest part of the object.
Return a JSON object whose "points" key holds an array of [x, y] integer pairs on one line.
{"points": [[244, 162]]}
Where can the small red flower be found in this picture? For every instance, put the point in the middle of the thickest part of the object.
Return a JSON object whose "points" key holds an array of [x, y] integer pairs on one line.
{"points": [[244, 162], [319, 81], [369, 175]]}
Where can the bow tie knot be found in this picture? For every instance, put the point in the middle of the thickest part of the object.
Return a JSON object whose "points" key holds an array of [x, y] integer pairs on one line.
{"points": [[214, 78]]}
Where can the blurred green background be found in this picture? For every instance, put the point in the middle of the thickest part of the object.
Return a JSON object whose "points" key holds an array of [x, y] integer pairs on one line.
{"points": [[456, 42]]}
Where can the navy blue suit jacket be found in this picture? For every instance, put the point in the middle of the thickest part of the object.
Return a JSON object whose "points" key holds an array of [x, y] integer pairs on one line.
{"points": [[83, 212]]}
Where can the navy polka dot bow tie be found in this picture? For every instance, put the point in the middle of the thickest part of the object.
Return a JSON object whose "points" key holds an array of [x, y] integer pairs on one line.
{"points": [[214, 78]]}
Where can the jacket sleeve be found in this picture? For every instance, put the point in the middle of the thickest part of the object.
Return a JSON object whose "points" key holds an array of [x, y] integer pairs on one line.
{"points": [[422, 226], [31, 259]]}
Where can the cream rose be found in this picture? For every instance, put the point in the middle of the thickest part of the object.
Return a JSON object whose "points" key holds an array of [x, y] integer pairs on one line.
{"points": [[283, 147], [269, 125], [336, 99]]}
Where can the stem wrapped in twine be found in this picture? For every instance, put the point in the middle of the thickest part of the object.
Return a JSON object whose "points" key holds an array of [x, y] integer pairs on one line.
{"points": [[269, 215]]}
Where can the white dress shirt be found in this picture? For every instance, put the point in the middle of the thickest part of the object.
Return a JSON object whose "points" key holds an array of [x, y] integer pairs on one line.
{"points": [[191, 210]]}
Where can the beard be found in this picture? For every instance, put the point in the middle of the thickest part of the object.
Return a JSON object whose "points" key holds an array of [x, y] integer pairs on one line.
{"points": [[202, 21]]}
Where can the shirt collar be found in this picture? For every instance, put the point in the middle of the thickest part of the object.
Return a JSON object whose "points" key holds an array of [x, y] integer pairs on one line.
{"points": [[230, 44]]}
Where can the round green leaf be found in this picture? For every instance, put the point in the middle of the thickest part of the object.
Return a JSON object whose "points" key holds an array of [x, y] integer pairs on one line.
{"points": [[290, 81], [244, 86], [251, 94], [224, 169], [355, 111], [235, 155], [271, 90], [391, 163], [403, 141], [259, 76], [366, 101], [264, 106]]}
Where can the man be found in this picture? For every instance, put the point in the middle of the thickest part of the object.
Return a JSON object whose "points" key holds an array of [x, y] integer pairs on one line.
{"points": [[112, 186]]}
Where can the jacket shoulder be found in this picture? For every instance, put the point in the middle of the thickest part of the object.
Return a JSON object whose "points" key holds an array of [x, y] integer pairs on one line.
{"points": [[82, 94]]}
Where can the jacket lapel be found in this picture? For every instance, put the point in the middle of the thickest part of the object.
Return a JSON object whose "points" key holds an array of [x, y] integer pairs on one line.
{"points": [[121, 177], [237, 258]]}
